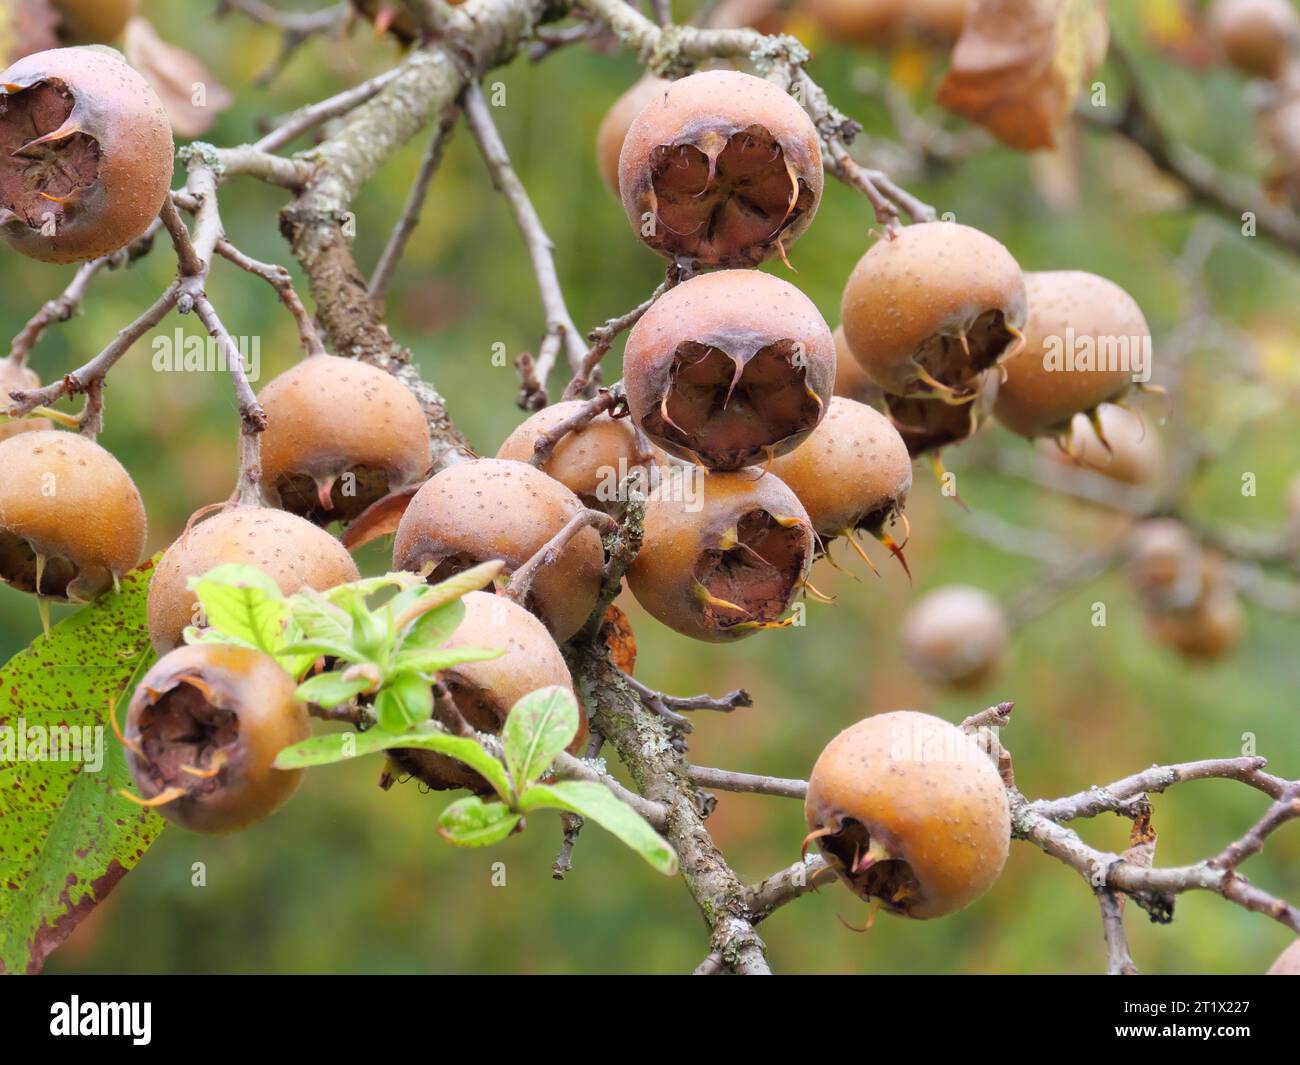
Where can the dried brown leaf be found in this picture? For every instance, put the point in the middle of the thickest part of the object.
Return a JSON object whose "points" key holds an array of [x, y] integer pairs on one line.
{"points": [[192, 96], [1020, 64]]}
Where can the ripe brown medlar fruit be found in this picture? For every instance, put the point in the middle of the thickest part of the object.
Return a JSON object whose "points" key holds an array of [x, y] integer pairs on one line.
{"points": [[1085, 341], [15, 377], [291, 551], [1208, 630], [340, 435], [71, 520], [721, 169], [724, 555], [614, 126], [85, 154], [93, 21], [1288, 962], [26, 26], [851, 380], [911, 814], [853, 473], [886, 22], [590, 462], [861, 22], [484, 692], [1210, 627], [766, 16], [203, 730], [927, 311], [957, 637], [1164, 564], [1131, 453], [729, 368], [1257, 37], [488, 509]]}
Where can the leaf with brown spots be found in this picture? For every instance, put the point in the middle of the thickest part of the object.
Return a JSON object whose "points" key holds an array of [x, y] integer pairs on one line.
{"points": [[1020, 63], [66, 834]]}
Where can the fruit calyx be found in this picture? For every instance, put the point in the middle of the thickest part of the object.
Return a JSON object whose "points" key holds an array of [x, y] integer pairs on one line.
{"points": [[869, 863], [726, 399], [743, 584], [46, 159]]}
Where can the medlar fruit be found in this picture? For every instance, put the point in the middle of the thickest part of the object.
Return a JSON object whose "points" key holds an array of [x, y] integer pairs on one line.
{"points": [[724, 557], [290, 550], [340, 435], [1164, 564], [614, 126], [1126, 450], [203, 730], [1256, 36], [930, 309], [484, 692], [489, 509], [590, 462], [883, 22], [852, 473], [720, 169], [15, 377], [1288, 962], [729, 368], [85, 154], [1085, 341], [71, 519], [957, 637], [93, 21], [1210, 627], [26, 26], [911, 814], [851, 380]]}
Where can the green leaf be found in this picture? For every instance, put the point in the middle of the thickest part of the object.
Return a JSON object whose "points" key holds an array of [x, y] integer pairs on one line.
{"points": [[368, 586], [539, 727], [435, 628], [436, 661], [471, 580], [243, 603], [316, 648], [405, 700], [66, 834], [318, 619], [475, 823], [331, 689], [597, 803], [331, 747]]}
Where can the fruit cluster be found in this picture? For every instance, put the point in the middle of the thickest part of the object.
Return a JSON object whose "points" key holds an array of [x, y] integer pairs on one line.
{"points": [[752, 435]]}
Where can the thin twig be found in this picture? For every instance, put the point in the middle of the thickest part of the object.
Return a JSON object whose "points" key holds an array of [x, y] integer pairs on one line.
{"points": [[305, 119], [396, 246], [545, 444], [1118, 960], [752, 783], [296, 27], [282, 281], [521, 581], [602, 339], [559, 323]]}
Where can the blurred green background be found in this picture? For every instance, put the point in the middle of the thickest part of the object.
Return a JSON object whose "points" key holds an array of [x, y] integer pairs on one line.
{"points": [[347, 878]]}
